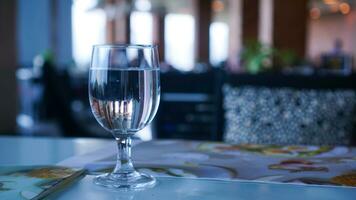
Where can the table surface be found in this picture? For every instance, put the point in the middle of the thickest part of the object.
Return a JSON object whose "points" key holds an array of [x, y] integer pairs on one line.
{"points": [[43, 151]]}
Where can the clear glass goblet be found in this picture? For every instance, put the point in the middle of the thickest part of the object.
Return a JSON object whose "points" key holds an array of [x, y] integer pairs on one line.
{"points": [[124, 93]]}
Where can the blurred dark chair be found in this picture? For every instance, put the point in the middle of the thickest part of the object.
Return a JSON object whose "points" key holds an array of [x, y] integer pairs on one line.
{"points": [[58, 98], [290, 109], [65, 100], [339, 63], [189, 106]]}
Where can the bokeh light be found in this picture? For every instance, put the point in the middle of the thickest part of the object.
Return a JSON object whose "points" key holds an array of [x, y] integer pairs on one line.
{"points": [[344, 8], [315, 13]]}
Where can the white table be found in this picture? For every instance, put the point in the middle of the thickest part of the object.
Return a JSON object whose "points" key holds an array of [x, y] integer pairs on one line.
{"points": [[39, 151]]}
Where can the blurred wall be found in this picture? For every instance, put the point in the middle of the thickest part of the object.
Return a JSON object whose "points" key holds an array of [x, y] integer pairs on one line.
{"points": [[33, 35], [44, 25], [8, 103], [324, 31], [290, 25], [63, 32]]}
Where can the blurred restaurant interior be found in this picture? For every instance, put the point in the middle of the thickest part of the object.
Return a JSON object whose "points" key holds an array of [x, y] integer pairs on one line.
{"points": [[240, 71]]}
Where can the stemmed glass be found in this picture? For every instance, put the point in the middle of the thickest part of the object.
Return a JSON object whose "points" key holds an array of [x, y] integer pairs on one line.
{"points": [[124, 93]]}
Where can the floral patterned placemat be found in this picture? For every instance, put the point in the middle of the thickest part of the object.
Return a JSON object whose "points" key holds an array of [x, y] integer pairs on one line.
{"points": [[321, 165], [34, 182]]}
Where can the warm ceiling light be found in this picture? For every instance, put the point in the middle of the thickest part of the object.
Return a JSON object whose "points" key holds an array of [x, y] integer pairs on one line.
{"points": [[330, 2], [344, 8], [315, 13]]}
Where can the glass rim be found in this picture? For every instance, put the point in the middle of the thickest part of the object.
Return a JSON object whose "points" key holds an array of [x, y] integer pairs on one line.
{"points": [[120, 46]]}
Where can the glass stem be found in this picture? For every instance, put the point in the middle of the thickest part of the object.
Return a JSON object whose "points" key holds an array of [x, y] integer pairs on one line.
{"points": [[124, 164]]}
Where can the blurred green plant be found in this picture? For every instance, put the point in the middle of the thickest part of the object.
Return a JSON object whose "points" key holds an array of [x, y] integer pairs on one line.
{"points": [[48, 56], [257, 57], [286, 58]]}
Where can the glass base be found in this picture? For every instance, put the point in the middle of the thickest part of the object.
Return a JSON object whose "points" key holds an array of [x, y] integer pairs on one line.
{"points": [[134, 180]]}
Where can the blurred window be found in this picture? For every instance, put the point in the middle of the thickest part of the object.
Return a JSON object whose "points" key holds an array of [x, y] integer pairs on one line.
{"points": [[179, 41], [219, 32], [219, 35], [88, 25], [141, 25]]}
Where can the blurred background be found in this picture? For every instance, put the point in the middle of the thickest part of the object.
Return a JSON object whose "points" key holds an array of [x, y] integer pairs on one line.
{"points": [[217, 58]]}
